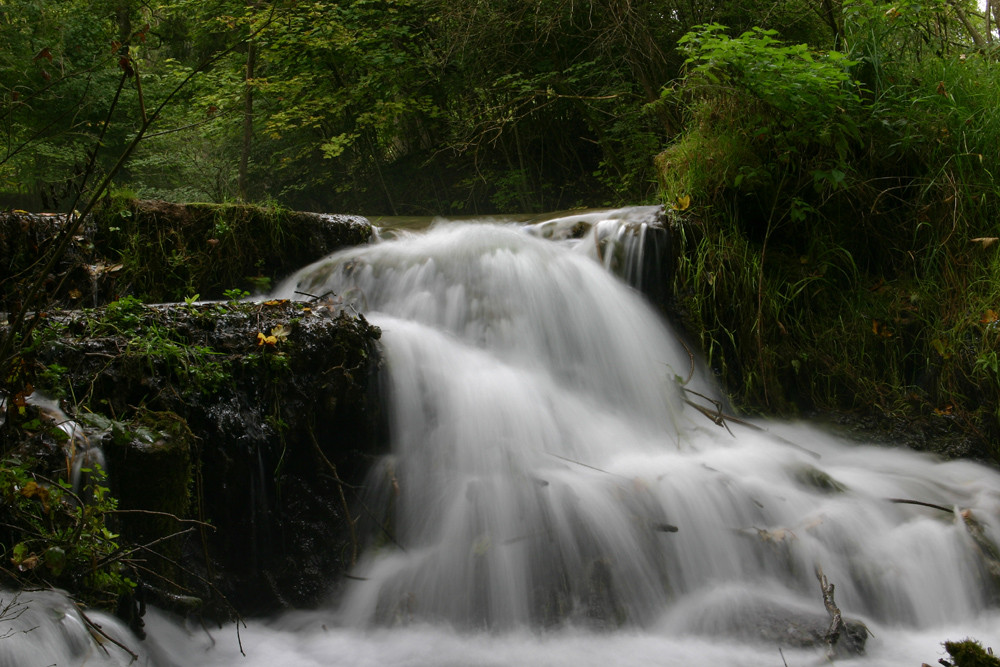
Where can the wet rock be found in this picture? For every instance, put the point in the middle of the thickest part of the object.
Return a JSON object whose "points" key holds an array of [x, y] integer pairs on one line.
{"points": [[760, 617], [255, 418]]}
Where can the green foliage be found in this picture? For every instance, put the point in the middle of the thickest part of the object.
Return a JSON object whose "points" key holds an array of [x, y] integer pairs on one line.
{"points": [[161, 347], [59, 540], [852, 223], [767, 118], [234, 296], [809, 95]]}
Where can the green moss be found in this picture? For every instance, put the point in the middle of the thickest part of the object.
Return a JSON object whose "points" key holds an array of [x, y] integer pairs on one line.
{"points": [[970, 653]]}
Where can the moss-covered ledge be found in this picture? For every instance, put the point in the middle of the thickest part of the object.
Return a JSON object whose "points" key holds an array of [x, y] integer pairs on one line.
{"points": [[255, 420], [161, 252]]}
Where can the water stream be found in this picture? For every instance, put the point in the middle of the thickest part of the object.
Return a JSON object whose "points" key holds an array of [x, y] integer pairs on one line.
{"points": [[551, 500]]}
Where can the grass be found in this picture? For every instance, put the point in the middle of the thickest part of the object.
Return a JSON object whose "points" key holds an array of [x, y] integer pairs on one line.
{"points": [[872, 287]]}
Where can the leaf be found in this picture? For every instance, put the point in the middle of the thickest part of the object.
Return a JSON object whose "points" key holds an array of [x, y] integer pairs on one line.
{"points": [[682, 203], [989, 317], [986, 241], [44, 53], [279, 333], [266, 340], [879, 329], [125, 64], [55, 560], [941, 347]]}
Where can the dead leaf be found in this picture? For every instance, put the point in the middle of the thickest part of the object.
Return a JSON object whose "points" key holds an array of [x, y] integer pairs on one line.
{"points": [[279, 333], [986, 241], [29, 563], [44, 53], [880, 329], [682, 203], [989, 317]]}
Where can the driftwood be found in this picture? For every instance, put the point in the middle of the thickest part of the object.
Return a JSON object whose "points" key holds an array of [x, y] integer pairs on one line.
{"points": [[842, 637], [836, 618]]}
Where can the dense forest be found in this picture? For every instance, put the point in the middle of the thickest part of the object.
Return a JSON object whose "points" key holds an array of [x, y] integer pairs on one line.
{"points": [[424, 106], [828, 164]]}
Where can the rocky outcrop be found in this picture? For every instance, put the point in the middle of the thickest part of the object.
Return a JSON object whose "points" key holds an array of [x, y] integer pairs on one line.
{"points": [[234, 436], [160, 252]]}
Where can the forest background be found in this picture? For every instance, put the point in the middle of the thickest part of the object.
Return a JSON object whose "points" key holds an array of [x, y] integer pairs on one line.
{"points": [[828, 165]]}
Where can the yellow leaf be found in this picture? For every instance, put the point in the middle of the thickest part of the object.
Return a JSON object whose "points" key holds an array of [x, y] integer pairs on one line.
{"points": [[986, 241], [682, 203], [989, 317], [266, 340], [279, 333]]}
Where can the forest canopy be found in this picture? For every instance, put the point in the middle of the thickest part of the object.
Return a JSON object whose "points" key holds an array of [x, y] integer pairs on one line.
{"points": [[433, 106]]}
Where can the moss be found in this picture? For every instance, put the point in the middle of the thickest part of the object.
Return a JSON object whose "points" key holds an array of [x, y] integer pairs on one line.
{"points": [[970, 653], [169, 252]]}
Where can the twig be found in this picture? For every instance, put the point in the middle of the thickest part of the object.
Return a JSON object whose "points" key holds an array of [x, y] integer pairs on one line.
{"points": [[121, 555], [100, 631], [584, 465], [905, 501], [720, 418], [166, 514], [343, 499], [212, 587]]}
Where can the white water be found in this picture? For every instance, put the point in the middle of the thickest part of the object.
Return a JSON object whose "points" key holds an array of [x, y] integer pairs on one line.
{"points": [[542, 458]]}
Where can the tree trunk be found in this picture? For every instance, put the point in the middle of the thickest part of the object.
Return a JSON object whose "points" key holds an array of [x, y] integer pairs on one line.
{"points": [[241, 179]]}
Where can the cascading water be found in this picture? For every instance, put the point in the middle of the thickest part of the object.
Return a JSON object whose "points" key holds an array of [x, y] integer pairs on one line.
{"points": [[551, 499]]}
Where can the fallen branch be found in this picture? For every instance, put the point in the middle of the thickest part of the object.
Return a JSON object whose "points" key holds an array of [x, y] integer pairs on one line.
{"points": [[720, 418], [905, 501], [836, 618], [94, 627]]}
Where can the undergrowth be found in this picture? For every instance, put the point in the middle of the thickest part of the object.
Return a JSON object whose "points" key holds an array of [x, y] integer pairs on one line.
{"points": [[841, 252]]}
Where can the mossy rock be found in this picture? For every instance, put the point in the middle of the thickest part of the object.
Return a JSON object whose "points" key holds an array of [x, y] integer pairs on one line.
{"points": [[265, 441], [161, 252]]}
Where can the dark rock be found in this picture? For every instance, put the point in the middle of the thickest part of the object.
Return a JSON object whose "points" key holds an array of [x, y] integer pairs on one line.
{"points": [[159, 251], [756, 616], [256, 418]]}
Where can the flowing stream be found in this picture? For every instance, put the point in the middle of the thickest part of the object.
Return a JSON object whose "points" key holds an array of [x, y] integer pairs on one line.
{"points": [[551, 499]]}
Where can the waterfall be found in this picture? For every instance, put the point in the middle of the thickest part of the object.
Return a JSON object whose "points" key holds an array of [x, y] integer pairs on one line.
{"points": [[550, 497], [546, 471]]}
